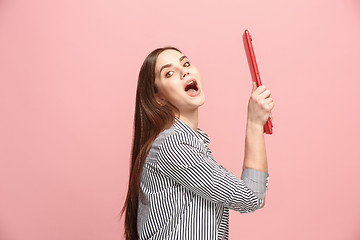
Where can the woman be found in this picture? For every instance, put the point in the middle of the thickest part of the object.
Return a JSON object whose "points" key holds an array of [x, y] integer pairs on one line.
{"points": [[176, 188]]}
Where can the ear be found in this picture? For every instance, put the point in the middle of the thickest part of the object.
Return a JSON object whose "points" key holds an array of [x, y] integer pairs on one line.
{"points": [[160, 99]]}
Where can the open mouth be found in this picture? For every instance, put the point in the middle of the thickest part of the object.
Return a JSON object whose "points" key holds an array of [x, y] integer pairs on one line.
{"points": [[191, 87]]}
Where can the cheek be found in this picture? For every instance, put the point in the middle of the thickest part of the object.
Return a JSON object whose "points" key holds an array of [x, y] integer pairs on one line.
{"points": [[200, 81], [174, 88], [170, 89]]}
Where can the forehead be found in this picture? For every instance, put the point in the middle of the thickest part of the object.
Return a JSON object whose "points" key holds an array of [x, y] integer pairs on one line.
{"points": [[169, 56]]}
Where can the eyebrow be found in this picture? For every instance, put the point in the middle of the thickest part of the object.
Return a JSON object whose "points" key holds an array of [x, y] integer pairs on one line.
{"points": [[169, 65]]}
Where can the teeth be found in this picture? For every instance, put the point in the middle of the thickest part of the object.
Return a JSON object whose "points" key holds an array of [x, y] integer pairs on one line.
{"points": [[191, 85], [187, 87]]}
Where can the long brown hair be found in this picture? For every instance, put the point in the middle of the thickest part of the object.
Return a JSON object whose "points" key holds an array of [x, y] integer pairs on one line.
{"points": [[150, 119]]}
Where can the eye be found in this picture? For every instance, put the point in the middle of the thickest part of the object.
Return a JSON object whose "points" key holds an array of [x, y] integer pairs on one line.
{"points": [[169, 74], [187, 64]]}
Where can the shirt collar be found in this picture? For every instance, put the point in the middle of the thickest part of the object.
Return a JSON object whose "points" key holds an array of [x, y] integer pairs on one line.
{"points": [[200, 134]]}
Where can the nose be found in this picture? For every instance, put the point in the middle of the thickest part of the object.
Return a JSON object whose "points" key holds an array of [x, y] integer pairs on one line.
{"points": [[186, 72]]}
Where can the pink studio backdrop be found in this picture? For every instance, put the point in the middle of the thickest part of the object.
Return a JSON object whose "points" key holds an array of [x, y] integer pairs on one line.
{"points": [[68, 72]]}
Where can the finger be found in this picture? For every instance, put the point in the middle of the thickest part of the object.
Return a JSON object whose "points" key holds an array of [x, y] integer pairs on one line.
{"points": [[267, 103], [260, 89], [265, 94], [271, 105], [268, 100]]}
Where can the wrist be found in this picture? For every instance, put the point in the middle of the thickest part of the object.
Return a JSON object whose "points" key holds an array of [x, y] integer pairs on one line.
{"points": [[254, 126]]}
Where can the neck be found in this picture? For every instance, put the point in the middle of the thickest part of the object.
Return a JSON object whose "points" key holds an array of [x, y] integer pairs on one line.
{"points": [[191, 118]]}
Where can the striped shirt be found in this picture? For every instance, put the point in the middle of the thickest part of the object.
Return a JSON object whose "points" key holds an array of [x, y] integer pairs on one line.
{"points": [[185, 194]]}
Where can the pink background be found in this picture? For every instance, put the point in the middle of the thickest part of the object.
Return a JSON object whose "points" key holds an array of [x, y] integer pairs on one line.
{"points": [[68, 72]]}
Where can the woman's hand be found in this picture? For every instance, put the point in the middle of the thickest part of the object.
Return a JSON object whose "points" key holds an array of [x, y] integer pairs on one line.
{"points": [[260, 106]]}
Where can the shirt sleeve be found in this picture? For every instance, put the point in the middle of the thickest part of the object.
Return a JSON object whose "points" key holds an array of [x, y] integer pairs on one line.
{"points": [[186, 160]]}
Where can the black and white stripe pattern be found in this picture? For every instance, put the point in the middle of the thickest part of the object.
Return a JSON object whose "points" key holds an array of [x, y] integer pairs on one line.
{"points": [[185, 194]]}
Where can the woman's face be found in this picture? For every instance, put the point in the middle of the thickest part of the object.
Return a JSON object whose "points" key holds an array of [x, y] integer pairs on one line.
{"points": [[178, 81]]}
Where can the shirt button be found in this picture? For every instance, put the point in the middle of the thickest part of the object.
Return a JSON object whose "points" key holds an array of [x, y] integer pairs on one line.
{"points": [[267, 178]]}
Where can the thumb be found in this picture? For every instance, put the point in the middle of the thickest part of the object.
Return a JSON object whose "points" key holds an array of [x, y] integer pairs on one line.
{"points": [[254, 86]]}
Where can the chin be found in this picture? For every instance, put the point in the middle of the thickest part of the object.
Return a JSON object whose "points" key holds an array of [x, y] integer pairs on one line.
{"points": [[192, 106], [202, 101]]}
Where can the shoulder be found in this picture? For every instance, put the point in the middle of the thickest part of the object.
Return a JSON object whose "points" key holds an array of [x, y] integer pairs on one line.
{"points": [[181, 150], [178, 140], [164, 135], [158, 142], [175, 136]]}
